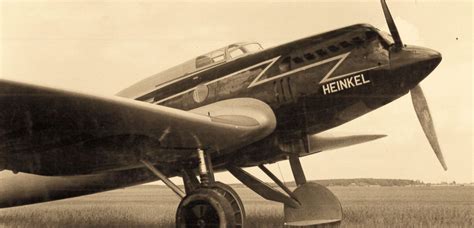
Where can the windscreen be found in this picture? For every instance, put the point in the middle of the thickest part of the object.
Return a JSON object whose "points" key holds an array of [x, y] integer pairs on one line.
{"points": [[387, 38]]}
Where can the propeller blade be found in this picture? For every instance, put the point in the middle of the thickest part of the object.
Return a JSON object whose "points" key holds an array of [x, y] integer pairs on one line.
{"points": [[424, 116], [391, 25]]}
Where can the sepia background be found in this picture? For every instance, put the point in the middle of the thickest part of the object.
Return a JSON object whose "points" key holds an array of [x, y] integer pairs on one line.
{"points": [[103, 46]]}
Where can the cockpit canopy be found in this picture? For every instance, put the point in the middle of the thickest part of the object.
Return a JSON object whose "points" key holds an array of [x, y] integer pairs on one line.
{"points": [[227, 53], [202, 62]]}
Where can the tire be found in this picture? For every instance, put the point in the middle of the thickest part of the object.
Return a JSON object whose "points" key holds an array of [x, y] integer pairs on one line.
{"points": [[231, 195], [205, 207]]}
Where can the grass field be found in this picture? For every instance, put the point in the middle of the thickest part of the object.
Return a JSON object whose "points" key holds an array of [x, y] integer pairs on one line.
{"points": [[146, 206]]}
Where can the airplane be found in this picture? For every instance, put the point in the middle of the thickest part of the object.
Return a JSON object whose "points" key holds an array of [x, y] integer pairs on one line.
{"points": [[238, 106]]}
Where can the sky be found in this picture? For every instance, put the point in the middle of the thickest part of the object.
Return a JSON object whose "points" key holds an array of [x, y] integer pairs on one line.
{"points": [[102, 47]]}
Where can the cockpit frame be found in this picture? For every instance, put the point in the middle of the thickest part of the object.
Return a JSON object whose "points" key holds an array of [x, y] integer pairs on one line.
{"points": [[225, 54]]}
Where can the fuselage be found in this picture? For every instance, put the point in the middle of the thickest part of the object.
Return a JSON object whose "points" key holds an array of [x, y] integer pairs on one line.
{"points": [[312, 84]]}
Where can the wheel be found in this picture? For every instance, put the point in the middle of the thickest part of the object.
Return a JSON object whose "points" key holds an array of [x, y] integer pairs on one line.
{"points": [[231, 195], [205, 207]]}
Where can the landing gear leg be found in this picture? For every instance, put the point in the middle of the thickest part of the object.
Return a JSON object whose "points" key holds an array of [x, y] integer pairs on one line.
{"points": [[209, 203], [309, 205]]}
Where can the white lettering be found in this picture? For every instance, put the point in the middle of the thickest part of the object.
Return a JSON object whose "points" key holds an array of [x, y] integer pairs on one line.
{"points": [[333, 87], [363, 79], [326, 89], [345, 83], [357, 80], [350, 84]]}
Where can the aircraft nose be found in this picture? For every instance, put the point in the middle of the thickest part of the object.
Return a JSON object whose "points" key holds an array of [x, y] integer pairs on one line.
{"points": [[414, 63], [414, 55], [428, 57]]}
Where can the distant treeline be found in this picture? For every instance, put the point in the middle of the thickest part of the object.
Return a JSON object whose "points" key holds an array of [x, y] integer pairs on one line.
{"points": [[368, 181], [354, 182], [357, 182]]}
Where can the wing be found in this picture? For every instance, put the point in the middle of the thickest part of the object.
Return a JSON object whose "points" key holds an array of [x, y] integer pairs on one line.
{"points": [[57, 132]]}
